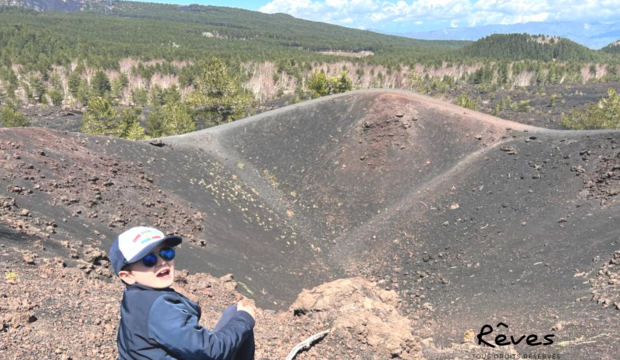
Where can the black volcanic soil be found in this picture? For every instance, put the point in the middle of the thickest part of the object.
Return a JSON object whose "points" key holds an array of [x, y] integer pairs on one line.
{"points": [[543, 112], [468, 219]]}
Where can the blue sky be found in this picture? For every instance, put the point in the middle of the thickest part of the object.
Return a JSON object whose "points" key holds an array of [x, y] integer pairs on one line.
{"points": [[424, 15]]}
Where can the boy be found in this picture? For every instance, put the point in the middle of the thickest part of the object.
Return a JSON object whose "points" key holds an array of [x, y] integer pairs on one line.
{"points": [[159, 323]]}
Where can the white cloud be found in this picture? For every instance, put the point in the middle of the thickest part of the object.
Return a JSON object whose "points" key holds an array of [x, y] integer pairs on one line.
{"points": [[337, 3], [382, 13], [376, 11]]}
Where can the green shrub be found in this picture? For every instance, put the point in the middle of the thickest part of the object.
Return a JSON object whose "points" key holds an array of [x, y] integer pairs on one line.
{"points": [[140, 96], [11, 117], [416, 82], [130, 126], [341, 83], [101, 118], [101, 84], [74, 81], [524, 106], [177, 120], [56, 96], [514, 106], [219, 97], [464, 101], [155, 122], [118, 86], [37, 88], [497, 110], [84, 93], [604, 115], [320, 85]]}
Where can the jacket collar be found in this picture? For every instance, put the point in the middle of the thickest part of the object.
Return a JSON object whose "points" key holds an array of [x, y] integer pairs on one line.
{"points": [[140, 287], [192, 306]]}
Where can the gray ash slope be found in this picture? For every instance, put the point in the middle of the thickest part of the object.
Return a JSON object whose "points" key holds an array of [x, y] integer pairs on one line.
{"points": [[90, 188], [472, 219]]}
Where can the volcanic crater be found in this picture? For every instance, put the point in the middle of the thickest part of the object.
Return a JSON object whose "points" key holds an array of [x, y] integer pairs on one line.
{"points": [[469, 219]]}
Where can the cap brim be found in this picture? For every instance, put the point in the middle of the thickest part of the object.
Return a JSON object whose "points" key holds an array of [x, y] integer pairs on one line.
{"points": [[172, 240]]}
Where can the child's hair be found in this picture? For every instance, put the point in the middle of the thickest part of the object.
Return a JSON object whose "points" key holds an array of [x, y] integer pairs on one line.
{"points": [[126, 268]]}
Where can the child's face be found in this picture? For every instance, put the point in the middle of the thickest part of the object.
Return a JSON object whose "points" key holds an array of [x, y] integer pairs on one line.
{"points": [[158, 277]]}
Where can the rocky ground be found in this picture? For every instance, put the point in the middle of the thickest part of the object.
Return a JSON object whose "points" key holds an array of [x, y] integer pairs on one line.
{"points": [[53, 311], [452, 218], [59, 299]]}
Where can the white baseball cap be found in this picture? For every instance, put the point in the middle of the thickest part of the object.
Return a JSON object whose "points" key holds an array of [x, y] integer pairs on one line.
{"points": [[135, 243]]}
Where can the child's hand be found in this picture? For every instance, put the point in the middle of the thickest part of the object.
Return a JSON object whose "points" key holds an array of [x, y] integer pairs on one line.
{"points": [[246, 306]]}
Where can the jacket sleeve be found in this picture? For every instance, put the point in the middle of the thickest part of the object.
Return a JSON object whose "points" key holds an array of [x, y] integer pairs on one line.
{"points": [[176, 329]]}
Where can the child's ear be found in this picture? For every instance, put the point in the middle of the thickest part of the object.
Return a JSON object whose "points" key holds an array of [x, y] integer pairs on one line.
{"points": [[127, 277]]}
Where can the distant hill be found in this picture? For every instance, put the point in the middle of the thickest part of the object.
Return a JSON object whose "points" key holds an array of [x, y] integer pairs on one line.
{"points": [[592, 35], [103, 32], [533, 47], [613, 48], [50, 5], [119, 29]]}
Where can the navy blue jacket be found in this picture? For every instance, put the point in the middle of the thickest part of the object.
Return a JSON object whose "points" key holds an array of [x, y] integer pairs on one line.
{"points": [[163, 324]]}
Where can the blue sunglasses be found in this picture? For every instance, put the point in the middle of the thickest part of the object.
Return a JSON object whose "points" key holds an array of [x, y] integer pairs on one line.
{"points": [[166, 253]]}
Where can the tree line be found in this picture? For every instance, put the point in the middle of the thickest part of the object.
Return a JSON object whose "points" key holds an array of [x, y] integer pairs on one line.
{"points": [[54, 58]]}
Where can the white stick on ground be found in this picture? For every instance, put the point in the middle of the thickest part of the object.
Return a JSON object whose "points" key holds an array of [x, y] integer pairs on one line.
{"points": [[306, 344]]}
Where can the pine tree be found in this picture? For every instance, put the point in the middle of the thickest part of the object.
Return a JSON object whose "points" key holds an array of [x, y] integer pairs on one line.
{"points": [[101, 118], [130, 127], [156, 97], [155, 122], [56, 97], [177, 120], [74, 80], [100, 84], [464, 101], [214, 80], [341, 83], [119, 85], [318, 84], [188, 76], [219, 97], [171, 95], [604, 115], [55, 81], [135, 131], [610, 109], [84, 93], [416, 82], [140, 96], [37, 88]]}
